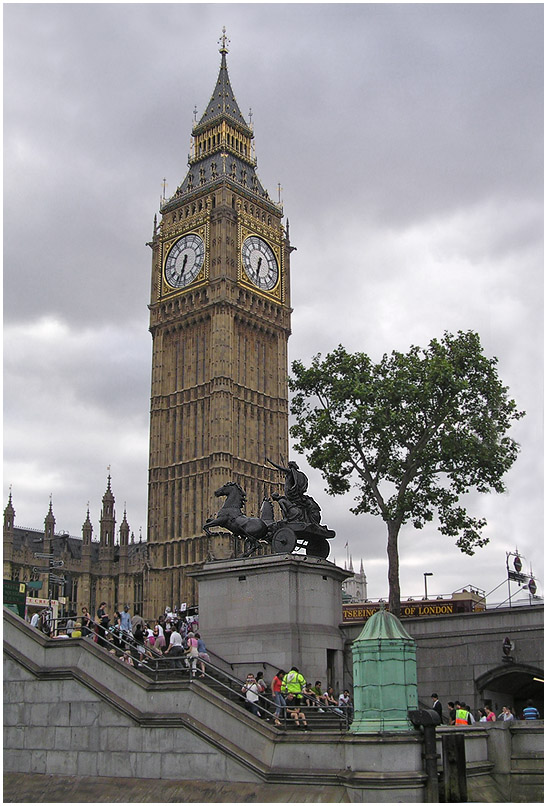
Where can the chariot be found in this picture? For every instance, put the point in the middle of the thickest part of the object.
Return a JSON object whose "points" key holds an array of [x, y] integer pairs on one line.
{"points": [[285, 536]]}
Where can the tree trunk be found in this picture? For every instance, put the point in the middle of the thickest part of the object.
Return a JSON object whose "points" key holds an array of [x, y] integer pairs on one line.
{"points": [[393, 568]]}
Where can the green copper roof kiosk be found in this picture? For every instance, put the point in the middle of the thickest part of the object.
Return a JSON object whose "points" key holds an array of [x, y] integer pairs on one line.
{"points": [[384, 676]]}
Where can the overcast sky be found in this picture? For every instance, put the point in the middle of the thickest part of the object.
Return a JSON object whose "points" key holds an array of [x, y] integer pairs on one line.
{"points": [[408, 142]]}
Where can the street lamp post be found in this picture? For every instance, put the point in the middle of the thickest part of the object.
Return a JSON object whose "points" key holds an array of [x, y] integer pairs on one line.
{"points": [[426, 575]]}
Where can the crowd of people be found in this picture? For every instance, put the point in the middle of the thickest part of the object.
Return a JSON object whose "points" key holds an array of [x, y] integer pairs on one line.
{"points": [[173, 637], [288, 694], [459, 713]]}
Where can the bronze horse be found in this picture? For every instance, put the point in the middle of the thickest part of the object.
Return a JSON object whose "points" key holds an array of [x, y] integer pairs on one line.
{"points": [[231, 516]]}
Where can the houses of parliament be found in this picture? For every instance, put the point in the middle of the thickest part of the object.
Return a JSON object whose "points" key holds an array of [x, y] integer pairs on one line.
{"points": [[220, 322]]}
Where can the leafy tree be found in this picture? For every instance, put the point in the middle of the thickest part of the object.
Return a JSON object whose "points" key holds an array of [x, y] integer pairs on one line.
{"points": [[412, 433]]}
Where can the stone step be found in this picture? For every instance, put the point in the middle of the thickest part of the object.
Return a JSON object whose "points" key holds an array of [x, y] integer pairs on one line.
{"points": [[230, 689], [328, 720]]}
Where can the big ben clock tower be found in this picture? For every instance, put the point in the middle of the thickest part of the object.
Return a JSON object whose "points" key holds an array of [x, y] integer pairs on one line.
{"points": [[220, 321]]}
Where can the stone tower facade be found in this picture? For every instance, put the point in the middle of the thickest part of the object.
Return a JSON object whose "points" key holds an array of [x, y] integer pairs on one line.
{"points": [[220, 322]]}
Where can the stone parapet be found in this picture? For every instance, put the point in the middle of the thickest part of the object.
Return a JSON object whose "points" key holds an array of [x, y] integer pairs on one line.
{"points": [[72, 710]]}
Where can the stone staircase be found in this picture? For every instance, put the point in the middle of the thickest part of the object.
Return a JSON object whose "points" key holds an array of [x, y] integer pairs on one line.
{"points": [[228, 686], [326, 719], [80, 721]]}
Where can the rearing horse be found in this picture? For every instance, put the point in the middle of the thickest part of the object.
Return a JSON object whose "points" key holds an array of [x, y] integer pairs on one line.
{"points": [[231, 516]]}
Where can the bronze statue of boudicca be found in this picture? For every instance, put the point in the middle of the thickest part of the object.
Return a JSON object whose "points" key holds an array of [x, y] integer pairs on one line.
{"points": [[300, 525], [296, 506]]}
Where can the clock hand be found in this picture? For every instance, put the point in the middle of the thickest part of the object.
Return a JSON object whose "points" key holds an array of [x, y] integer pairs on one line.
{"points": [[184, 262]]}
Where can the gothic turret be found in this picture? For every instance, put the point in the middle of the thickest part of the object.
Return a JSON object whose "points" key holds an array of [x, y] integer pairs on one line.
{"points": [[49, 529], [87, 530], [9, 517], [108, 517], [9, 520], [124, 530], [356, 586]]}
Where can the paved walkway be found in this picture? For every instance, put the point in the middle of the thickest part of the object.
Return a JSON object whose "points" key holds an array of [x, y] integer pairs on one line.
{"points": [[33, 788]]}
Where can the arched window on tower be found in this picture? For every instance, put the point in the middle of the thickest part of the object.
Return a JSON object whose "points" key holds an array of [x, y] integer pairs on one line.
{"points": [[137, 594]]}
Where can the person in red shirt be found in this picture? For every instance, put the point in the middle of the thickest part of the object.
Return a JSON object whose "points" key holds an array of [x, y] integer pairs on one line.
{"points": [[279, 699]]}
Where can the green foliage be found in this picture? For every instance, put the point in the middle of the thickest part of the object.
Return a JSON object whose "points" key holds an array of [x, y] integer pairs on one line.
{"points": [[412, 433]]}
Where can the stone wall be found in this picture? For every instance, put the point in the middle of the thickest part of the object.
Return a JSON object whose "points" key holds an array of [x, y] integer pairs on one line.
{"points": [[71, 709], [58, 726], [455, 651]]}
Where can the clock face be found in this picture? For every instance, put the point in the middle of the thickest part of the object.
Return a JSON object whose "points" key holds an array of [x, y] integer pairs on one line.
{"points": [[184, 260], [259, 263]]}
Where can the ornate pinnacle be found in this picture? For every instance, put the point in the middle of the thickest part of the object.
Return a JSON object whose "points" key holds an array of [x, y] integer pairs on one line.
{"points": [[224, 41]]}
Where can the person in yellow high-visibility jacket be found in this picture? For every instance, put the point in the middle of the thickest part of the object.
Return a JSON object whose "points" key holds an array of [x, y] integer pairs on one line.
{"points": [[461, 714], [293, 683]]}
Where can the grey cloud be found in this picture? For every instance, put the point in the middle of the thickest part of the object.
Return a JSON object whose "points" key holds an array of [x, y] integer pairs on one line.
{"points": [[411, 133]]}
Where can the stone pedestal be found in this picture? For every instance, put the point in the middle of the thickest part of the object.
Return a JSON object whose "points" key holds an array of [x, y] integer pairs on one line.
{"points": [[284, 610]]}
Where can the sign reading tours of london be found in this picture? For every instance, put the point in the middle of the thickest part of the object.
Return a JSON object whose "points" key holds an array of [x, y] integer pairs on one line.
{"points": [[362, 612]]}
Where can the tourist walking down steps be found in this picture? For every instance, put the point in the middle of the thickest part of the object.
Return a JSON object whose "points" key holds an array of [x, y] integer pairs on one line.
{"points": [[278, 697], [251, 691], [192, 654]]}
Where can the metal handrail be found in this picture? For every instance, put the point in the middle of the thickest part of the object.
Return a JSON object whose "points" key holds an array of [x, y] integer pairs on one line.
{"points": [[158, 666]]}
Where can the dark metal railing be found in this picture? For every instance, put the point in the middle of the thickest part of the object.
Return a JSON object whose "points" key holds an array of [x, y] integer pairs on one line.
{"points": [[167, 667]]}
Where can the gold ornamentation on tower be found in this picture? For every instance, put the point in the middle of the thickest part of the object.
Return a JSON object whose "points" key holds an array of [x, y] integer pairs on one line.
{"points": [[220, 322]]}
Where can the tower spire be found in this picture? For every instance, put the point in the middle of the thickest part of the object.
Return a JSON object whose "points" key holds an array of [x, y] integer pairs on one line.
{"points": [[223, 41], [9, 514], [124, 528], [49, 523], [223, 102], [87, 529], [222, 148], [108, 516]]}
